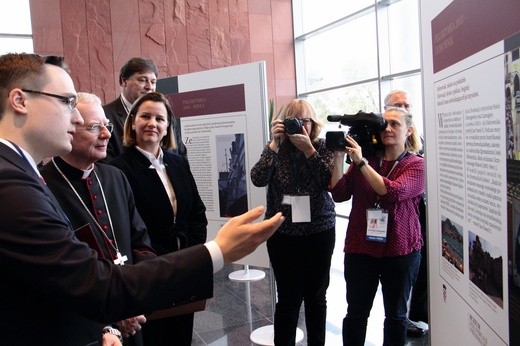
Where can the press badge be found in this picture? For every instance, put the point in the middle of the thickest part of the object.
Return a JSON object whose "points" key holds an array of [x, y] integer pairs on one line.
{"points": [[377, 222], [300, 207]]}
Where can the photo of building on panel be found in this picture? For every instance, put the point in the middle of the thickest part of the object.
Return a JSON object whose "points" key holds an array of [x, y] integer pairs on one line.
{"points": [[232, 185], [452, 244], [485, 268]]}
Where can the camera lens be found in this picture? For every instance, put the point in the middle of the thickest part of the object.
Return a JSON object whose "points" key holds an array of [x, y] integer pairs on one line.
{"points": [[293, 126]]}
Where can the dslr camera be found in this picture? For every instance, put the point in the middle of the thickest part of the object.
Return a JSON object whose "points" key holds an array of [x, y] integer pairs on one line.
{"points": [[293, 125], [364, 129]]}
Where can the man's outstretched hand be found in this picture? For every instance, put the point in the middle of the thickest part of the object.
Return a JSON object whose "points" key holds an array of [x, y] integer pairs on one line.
{"points": [[239, 236]]}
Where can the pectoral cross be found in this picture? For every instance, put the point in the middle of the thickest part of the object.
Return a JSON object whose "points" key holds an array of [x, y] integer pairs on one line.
{"points": [[120, 260]]}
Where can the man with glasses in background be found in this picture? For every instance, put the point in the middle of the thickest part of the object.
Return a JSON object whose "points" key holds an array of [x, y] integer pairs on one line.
{"points": [[418, 311], [137, 77], [99, 203], [399, 99]]}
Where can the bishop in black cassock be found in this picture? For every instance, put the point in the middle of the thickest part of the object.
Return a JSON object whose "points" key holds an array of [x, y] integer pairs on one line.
{"points": [[117, 228]]}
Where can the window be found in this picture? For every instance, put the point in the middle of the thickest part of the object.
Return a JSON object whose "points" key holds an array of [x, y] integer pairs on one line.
{"points": [[350, 54], [15, 27]]}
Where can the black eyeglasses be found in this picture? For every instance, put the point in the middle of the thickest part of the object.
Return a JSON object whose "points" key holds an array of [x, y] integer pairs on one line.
{"points": [[70, 101], [96, 128]]}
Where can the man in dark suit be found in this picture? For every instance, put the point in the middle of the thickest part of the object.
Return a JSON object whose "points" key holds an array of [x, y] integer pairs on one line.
{"points": [[48, 276], [137, 77]]}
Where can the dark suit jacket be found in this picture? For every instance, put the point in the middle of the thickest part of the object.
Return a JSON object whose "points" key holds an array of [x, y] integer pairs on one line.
{"points": [[153, 203], [49, 277], [116, 114]]}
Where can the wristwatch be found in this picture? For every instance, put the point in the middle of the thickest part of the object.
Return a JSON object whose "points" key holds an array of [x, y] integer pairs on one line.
{"points": [[362, 163], [113, 331]]}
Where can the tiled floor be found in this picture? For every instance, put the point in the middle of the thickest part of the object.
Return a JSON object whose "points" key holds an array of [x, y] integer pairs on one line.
{"points": [[229, 319]]}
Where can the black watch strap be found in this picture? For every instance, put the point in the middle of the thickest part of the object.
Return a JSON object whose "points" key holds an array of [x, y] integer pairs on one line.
{"points": [[362, 163]]}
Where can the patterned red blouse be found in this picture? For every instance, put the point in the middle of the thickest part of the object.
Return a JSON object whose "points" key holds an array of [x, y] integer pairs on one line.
{"points": [[405, 186]]}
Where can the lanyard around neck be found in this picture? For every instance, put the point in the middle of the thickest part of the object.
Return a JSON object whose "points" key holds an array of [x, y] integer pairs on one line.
{"points": [[404, 153]]}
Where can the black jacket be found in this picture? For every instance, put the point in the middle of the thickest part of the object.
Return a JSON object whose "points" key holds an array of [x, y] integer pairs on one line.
{"points": [[153, 204], [116, 114]]}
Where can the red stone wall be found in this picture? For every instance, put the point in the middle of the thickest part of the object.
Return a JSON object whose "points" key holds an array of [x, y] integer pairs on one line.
{"points": [[97, 37]]}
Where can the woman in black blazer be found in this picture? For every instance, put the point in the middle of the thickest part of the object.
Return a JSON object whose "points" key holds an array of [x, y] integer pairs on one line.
{"points": [[166, 197]]}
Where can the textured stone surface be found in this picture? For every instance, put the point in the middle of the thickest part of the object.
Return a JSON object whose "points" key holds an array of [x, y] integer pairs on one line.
{"points": [[220, 41], [126, 37], [239, 32], [176, 52], [197, 28], [99, 49], [47, 35], [181, 36]]}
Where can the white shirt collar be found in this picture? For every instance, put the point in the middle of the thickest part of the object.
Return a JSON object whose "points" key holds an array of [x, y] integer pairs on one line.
{"points": [[27, 156], [126, 104], [86, 172], [151, 157]]}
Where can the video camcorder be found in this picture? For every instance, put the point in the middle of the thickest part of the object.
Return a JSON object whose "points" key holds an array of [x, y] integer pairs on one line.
{"points": [[364, 129]]}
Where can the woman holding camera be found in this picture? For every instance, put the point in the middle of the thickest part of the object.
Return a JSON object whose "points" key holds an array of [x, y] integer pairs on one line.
{"points": [[296, 166], [387, 188]]}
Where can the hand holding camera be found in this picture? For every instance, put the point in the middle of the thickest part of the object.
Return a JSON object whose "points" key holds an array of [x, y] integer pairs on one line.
{"points": [[302, 142], [342, 144], [353, 149], [277, 134], [293, 129]]}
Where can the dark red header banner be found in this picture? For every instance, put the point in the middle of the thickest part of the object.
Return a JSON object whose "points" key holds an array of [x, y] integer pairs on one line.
{"points": [[208, 101], [466, 27]]}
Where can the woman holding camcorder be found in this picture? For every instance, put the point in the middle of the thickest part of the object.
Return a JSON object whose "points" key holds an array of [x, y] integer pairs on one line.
{"points": [[383, 239]]}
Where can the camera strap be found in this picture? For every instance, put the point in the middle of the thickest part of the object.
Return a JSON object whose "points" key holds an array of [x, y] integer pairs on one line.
{"points": [[296, 174], [377, 217], [299, 201], [403, 155]]}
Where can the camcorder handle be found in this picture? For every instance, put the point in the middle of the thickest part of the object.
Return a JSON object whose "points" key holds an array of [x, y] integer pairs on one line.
{"points": [[360, 118]]}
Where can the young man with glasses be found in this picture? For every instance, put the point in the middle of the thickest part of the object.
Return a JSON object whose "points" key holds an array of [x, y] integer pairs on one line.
{"points": [[50, 279], [70, 101], [98, 198]]}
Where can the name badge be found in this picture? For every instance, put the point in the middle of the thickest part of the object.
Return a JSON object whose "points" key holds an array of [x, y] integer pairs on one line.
{"points": [[300, 207], [377, 223]]}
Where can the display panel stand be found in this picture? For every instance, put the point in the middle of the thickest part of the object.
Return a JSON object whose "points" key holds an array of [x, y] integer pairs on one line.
{"points": [[247, 275], [265, 335]]}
